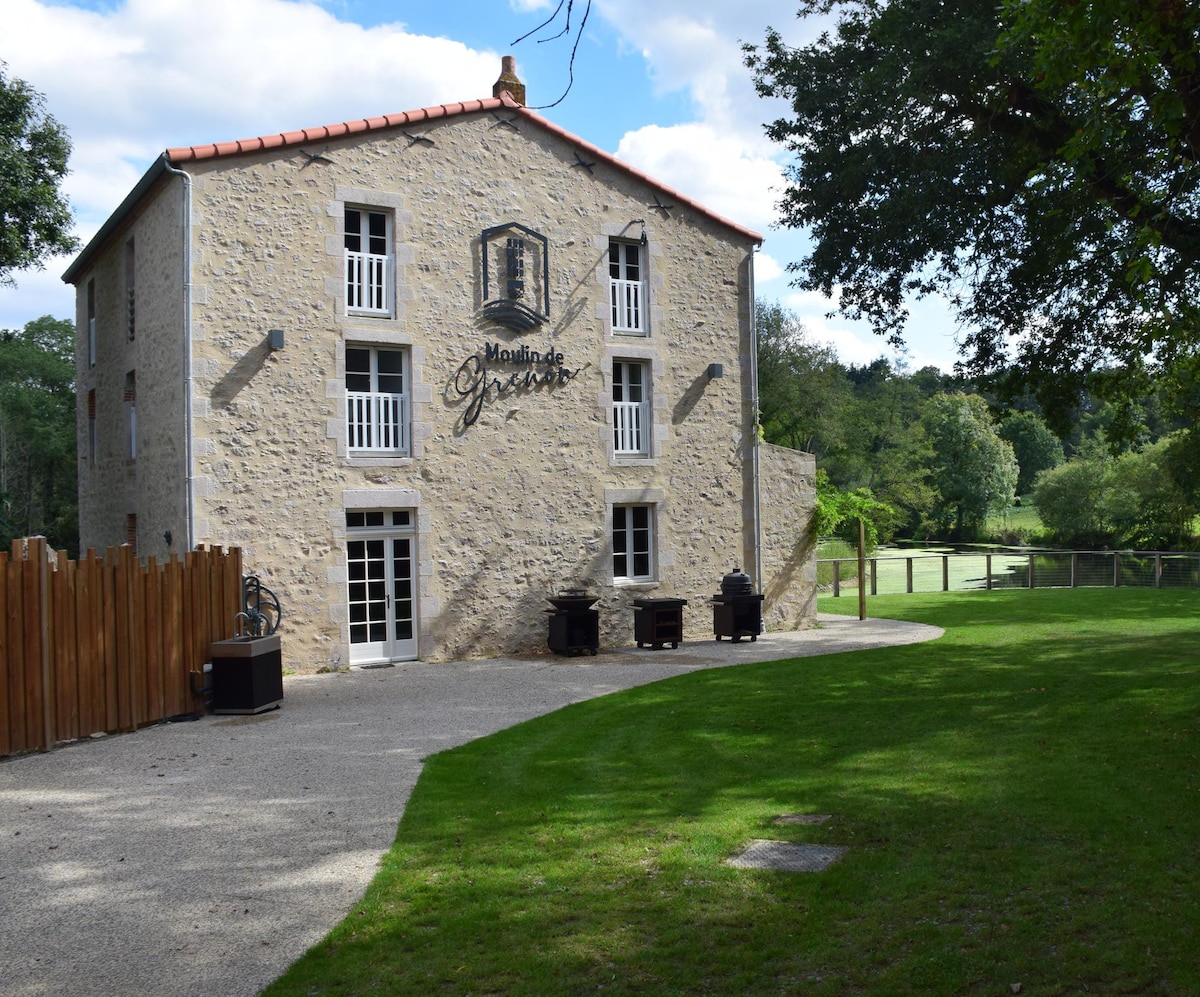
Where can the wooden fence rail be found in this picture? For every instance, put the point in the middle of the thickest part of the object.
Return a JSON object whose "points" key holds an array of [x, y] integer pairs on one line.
{"points": [[105, 644]]}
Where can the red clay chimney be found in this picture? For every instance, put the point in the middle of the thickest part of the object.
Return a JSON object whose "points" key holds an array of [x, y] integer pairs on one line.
{"points": [[508, 80]]}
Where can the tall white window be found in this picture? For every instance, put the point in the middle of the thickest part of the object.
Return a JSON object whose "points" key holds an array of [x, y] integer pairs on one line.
{"points": [[631, 408], [633, 542], [377, 400], [368, 262], [627, 288]]}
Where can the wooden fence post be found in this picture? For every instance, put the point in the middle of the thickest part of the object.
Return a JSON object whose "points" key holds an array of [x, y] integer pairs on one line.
{"points": [[7, 683], [862, 570]]}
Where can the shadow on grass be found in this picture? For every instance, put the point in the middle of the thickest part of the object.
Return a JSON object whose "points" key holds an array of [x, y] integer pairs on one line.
{"points": [[1020, 799]]}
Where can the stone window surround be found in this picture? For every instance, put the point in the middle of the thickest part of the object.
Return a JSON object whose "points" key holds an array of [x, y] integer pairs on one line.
{"points": [[402, 253], [662, 558], [420, 396], [428, 607], [629, 232], [659, 429]]}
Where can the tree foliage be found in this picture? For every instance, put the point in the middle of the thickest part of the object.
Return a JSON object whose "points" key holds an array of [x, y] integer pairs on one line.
{"points": [[886, 449], [974, 470], [37, 434], [35, 219], [1129, 499], [1034, 161], [1036, 448], [802, 389], [838, 513]]}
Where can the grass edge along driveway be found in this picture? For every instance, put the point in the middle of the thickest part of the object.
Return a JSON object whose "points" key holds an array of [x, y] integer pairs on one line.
{"points": [[1020, 801]]}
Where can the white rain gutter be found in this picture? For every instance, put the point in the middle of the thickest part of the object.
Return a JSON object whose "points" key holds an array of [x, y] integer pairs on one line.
{"points": [[190, 488]]}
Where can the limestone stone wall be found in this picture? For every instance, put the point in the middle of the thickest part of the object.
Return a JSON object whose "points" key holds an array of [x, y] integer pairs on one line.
{"points": [[143, 260], [788, 499], [517, 505]]}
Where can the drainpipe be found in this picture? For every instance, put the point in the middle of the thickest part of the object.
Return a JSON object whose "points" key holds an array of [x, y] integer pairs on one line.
{"points": [[190, 490], [755, 428]]}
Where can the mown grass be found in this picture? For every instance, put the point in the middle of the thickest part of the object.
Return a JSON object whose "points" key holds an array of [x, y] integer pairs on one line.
{"points": [[1021, 802]]}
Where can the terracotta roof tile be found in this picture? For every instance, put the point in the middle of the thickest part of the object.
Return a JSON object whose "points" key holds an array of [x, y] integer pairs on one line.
{"points": [[194, 153]]}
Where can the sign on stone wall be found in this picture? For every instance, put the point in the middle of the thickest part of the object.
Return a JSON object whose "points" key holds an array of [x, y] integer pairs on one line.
{"points": [[516, 290], [497, 371]]}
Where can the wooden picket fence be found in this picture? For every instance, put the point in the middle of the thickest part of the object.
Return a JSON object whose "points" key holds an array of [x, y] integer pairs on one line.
{"points": [[106, 644]]}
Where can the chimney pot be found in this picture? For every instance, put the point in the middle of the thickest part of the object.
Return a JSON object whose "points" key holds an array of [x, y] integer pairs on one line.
{"points": [[509, 80]]}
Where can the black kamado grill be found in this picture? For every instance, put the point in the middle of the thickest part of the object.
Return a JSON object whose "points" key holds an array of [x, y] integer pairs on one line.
{"points": [[737, 611], [574, 625]]}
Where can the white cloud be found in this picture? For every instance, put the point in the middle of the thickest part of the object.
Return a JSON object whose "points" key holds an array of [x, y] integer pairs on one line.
{"points": [[696, 46], [714, 169], [767, 269], [155, 73]]}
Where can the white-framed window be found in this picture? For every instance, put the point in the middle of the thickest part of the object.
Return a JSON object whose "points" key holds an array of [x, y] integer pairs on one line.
{"points": [[627, 288], [368, 240], [631, 408], [633, 542], [378, 400]]}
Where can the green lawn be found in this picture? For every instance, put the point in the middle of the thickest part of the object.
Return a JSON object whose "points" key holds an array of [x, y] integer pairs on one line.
{"points": [[1021, 802]]}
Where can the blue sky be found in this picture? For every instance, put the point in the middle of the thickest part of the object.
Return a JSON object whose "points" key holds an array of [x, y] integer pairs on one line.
{"points": [[659, 83]]}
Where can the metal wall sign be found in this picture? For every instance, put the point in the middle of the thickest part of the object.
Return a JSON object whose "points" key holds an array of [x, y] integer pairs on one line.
{"points": [[516, 288], [498, 371]]}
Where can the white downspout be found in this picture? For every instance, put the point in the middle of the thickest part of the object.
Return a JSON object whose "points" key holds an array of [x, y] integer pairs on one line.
{"points": [[190, 488], [758, 577]]}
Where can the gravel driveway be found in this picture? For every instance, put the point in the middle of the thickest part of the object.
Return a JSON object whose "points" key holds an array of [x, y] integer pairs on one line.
{"points": [[205, 857]]}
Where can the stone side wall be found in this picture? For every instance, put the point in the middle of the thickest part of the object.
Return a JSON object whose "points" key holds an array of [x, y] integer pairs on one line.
{"points": [[788, 500], [152, 487]]}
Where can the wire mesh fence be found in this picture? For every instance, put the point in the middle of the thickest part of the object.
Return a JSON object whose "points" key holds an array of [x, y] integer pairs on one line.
{"points": [[950, 572]]}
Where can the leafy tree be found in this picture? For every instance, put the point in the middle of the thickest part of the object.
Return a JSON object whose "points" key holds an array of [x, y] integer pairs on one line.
{"points": [[1034, 161], [1132, 498], [35, 218], [1144, 505], [1068, 498], [974, 470], [838, 513], [802, 390], [885, 449], [1035, 447], [37, 434]]}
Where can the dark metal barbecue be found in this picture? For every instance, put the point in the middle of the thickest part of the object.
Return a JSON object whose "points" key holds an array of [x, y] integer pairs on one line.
{"points": [[737, 611], [574, 624]]}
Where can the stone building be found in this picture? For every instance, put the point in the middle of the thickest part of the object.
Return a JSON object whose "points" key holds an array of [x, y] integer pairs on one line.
{"points": [[426, 370]]}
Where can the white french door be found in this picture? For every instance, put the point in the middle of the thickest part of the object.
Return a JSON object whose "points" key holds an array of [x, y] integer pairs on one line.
{"points": [[381, 591]]}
